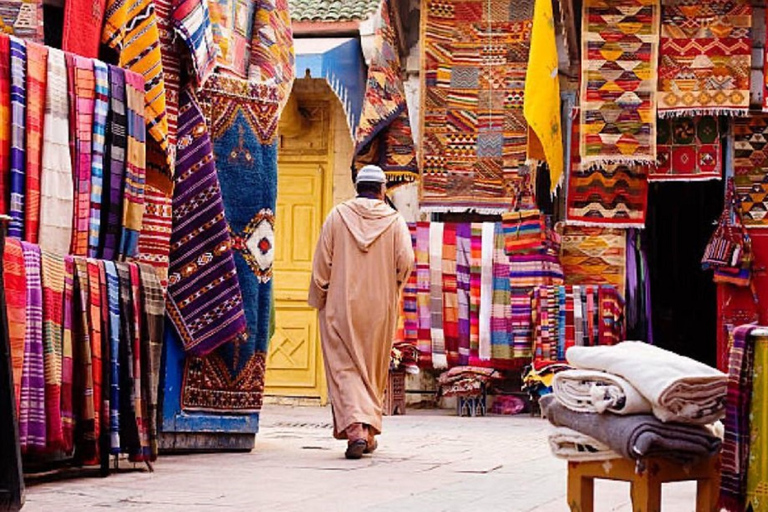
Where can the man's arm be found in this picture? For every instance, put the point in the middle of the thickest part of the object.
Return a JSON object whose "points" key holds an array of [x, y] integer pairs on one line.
{"points": [[321, 266]]}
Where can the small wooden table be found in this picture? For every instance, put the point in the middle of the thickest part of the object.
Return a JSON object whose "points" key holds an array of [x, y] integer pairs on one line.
{"points": [[646, 486]]}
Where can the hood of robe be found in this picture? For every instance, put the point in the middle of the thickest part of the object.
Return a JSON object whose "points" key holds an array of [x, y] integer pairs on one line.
{"points": [[366, 219]]}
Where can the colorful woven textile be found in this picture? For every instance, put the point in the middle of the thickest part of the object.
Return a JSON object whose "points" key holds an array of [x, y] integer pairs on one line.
{"points": [[81, 32], [37, 65], [488, 241], [140, 369], [67, 362], [542, 94], [272, 55], [423, 294], [153, 310], [242, 118], [135, 168], [18, 136], [232, 24], [688, 150], [53, 317], [100, 110], [410, 302], [5, 121], [171, 60], [607, 195], [84, 89], [130, 28], [32, 420], [463, 285], [202, 266], [749, 168], [594, 256], [98, 331], [23, 19], [156, 226], [450, 294], [114, 166], [475, 134], [56, 188], [437, 332], [529, 270], [757, 479], [384, 136], [620, 40], [14, 280], [520, 320], [475, 279], [735, 451], [501, 312], [192, 22], [83, 389], [524, 231], [115, 330], [705, 57]]}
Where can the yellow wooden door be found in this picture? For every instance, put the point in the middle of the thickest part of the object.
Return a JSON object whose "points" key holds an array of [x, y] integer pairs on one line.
{"points": [[294, 363]]}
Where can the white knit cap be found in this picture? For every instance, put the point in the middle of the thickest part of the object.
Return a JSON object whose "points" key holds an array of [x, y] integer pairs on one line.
{"points": [[371, 174]]}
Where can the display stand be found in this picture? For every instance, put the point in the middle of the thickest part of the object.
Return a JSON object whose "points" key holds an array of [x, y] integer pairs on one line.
{"points": [[11, 477], [182, 431]]}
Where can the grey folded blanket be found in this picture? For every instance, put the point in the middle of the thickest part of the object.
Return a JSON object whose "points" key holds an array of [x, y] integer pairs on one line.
{"points": [[636, 436]]}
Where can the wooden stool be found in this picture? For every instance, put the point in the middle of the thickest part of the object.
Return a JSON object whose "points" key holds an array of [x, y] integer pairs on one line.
{"points": [[646, 486], [394, 395]]}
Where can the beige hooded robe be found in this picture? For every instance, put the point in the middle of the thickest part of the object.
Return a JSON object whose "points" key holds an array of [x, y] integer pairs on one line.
{"points": [[361, 262]]}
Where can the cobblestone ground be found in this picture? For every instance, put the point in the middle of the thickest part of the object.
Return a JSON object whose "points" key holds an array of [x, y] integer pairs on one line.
{"points": [[427, 461]]}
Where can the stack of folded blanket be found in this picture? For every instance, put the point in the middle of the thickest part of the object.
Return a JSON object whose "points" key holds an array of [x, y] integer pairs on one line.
{"points": [[635, 400]]}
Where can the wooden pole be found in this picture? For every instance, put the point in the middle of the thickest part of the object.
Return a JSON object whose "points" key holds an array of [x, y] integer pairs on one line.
{"points": [[11, 477]]}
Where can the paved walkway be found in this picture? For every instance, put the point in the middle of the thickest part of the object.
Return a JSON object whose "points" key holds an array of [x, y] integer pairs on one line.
{"points": [[427, 461]]}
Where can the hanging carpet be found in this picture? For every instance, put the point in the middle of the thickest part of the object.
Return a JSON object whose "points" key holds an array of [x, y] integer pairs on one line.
{"points": [[620, 40], [594, 256], [474, 140], [750, 168], [688, 150], [705, 57], [243, 119]]}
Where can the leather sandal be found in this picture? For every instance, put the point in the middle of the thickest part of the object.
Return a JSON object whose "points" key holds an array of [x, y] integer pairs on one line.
{"points": [[371, 447], [356, 449]]}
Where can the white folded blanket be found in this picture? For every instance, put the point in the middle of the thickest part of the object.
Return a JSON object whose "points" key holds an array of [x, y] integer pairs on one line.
{"points": [[678, 388], [571, 445], [597, 392]]}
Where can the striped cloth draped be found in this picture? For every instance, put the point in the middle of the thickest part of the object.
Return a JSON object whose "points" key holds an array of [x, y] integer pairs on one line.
{"points": [[14, 280], [86, 441], [83, 91], [171, 61], [735, 451], [5, 122], [138, 393], [135, 171], [192, 23], [130, 28], [32, 419], [53, 316], [501, 309], [67, 361], [423, 293], [439, 358], [475, 276], [115, 330], [486, 290], [153, 310], [200, 228], [104, 377], [410, 307], [100, 110], [114, 167], [81, 31], [463, 285], [522, 335], [18, 136], [450, 295], [37, 76], [56, 189], [97, 333], [154, 245]]}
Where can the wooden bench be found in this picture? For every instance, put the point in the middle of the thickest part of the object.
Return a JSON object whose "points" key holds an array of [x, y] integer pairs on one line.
{"points": [[645, 486]]}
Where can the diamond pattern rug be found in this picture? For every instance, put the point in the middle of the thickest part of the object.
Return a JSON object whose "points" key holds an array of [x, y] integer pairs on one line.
{"points": [[689, 149], [750, 168]]}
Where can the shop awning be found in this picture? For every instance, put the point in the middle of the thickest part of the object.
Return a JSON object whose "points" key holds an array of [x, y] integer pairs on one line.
{"points": [[340, 62]]}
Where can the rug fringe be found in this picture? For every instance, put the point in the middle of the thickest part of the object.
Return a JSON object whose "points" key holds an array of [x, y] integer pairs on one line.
{"points": [[439, 361], [464, 209], [597, 224], [598, 162], [722, 111], [683, 179]]}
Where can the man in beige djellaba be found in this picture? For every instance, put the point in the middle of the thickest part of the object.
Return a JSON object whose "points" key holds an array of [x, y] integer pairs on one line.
{"points": [[362, 260]]}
